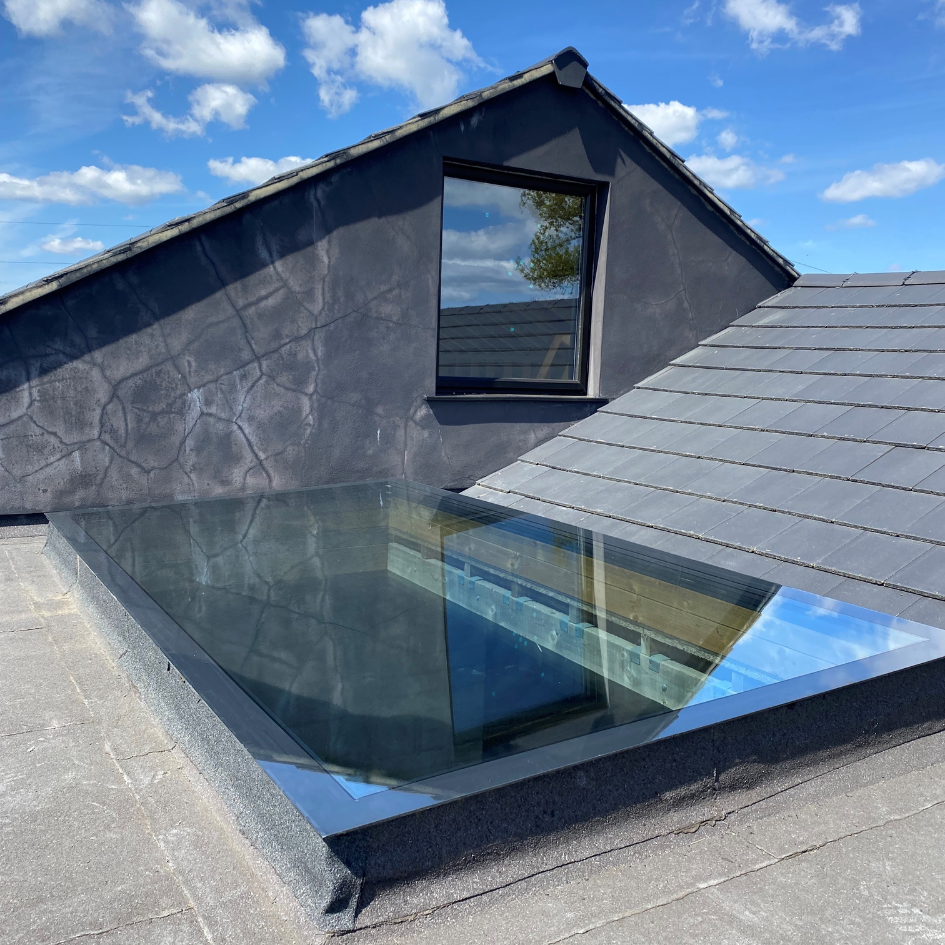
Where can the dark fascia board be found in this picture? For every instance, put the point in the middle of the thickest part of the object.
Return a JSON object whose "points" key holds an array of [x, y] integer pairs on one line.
{"points": [[562, 65]]}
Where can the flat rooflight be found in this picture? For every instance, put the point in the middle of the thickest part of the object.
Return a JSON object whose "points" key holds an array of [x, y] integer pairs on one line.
{"points": [[385, 646]]}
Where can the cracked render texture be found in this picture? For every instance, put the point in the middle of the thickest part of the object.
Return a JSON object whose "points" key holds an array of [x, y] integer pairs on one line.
{"points": [[293, 342]]}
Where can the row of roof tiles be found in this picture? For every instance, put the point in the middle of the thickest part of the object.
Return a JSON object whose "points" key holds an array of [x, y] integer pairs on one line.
{"points": [[810, 457]]}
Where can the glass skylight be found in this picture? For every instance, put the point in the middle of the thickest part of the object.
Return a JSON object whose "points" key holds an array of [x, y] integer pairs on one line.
{"points": [[401, 645]]}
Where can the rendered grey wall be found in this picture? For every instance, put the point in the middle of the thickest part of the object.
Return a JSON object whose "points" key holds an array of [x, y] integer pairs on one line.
{"points": [[294, 342]]}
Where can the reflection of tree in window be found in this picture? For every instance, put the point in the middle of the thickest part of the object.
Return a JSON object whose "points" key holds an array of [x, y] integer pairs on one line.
{"points": [[555, 262]]}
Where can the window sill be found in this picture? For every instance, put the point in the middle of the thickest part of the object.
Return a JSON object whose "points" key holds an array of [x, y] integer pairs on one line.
{"points": [[538, 398]]}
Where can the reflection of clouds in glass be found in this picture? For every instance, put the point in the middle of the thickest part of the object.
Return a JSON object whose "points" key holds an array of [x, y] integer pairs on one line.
{"points": [[791, 638], [483, 261], [492, 198]]}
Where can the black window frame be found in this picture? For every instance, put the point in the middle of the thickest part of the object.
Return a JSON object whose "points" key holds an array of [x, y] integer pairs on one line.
{"points": [[531, 180]]}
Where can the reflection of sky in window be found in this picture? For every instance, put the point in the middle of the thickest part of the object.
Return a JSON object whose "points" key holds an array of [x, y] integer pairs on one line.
{"points": [[791, 638], [485, 229]]}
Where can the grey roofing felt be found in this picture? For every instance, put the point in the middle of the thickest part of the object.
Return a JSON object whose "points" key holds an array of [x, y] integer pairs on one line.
{"points": [[563, 63], [827, 473]]}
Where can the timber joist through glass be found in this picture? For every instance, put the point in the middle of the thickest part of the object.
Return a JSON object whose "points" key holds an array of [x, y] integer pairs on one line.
{"points": [[381, 647]]}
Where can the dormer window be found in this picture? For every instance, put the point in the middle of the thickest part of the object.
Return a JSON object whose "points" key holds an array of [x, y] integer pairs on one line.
{"points": [[514, 289]]}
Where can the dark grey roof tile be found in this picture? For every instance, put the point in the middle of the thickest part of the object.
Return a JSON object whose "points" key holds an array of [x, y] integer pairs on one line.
{"points": [[860, 423], [925, 574], [913, 428], [701, 516], [751, 528], [804, 578], [511, 476], [717, 409], [875, 278], [594, 459], [930, 315], [773, 488], [893, 510], [808, 418], [595, 427], [923, 394], [875, 556], [763, 413], [893, 363], [764, 384], [741, 445], [742, 562], [914, 295], [821, 279], [615, 497], [927, 366], [791, 451], [933, 483], [831, 389], [885, 391], [556, 485], [829, 498], [928, 611], [686, 546], [548, 448], [682, 471], [652, 509], [844, 362], [702, 441], [626, 531], [930, 524], [679, 379], [641, 466], [929, 277], [863, 295], [808, 541], [535, 507], [794, 296], [903, 466], [724, 480], [885, 600], [844, 458], [642, 401], [798, 360]]}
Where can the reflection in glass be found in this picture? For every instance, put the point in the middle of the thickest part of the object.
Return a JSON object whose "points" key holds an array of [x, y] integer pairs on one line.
{"points": [[397, 632], [510, 282]]}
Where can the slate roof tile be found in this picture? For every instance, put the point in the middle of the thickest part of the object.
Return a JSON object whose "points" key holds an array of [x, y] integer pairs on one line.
{"points": [[874, 556], [744, 562], [808, 418], [913, 428], [893, 510], [925, 574], [751, 528], [803, 577], [845, 458], [724, 480], [700, 516], [773, 488], [807, 540], [903, 466], [829, 498], [860, 423], [886, 600]]}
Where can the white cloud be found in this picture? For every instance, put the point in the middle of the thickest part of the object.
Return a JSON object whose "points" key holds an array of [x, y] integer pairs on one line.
{"points": [[940, 12], [789, 159], [71, 246], [734, 172], [859, 222], [672, 122], [727, 139], [211, 102], [253, 170], [402, 44], [716, 80], [885, 180], [128, 184], [768, 20], [180, 41], [45, 17]]}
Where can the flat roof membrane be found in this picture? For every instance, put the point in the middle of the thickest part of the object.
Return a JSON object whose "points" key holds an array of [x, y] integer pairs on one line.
{"points": [[381, 647]]}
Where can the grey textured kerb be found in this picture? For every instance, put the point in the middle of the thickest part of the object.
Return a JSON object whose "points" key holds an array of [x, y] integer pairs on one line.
{"points": [[288, 336], [451, 852]]}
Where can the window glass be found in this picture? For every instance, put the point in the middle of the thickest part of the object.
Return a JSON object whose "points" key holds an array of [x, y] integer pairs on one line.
{"points": [[511, 284]]}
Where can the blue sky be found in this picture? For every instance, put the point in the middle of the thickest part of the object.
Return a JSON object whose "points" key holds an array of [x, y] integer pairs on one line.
{"points": [[823, 125]]}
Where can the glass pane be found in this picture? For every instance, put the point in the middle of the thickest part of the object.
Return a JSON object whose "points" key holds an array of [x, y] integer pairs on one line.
{"points": [[397, 632], [511, 282]]}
